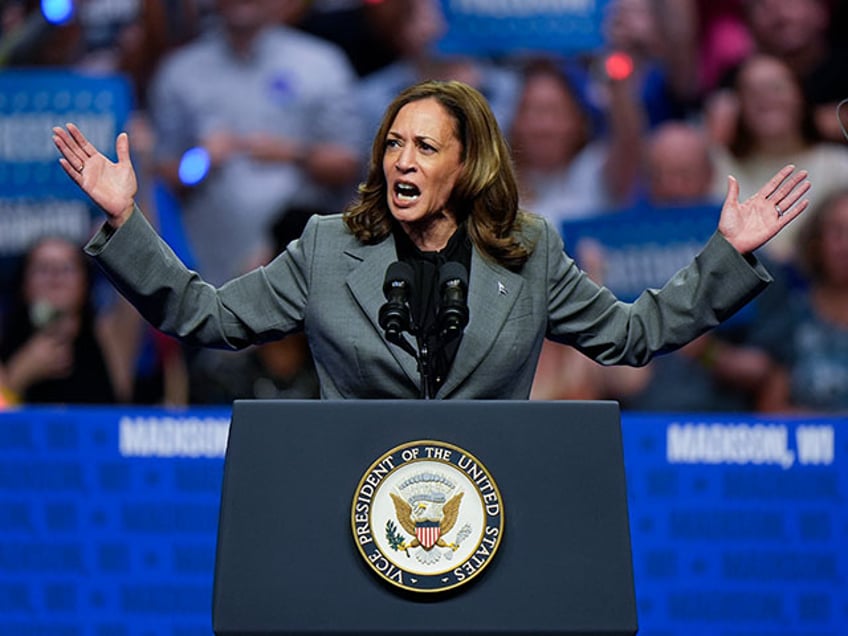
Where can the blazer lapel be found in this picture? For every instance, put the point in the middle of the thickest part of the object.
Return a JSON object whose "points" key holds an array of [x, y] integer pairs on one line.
{"points": [[365, 282], [492, 291]]}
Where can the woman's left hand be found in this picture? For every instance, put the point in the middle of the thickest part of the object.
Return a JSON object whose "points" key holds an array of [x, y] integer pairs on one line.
{"points": [[750, 224]]}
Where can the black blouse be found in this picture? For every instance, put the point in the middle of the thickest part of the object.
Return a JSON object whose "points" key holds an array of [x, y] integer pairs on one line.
{"points": [[424, 304]]}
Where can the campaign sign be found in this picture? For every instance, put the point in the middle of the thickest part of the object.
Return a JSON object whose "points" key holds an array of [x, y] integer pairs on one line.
{"points": [[641, 248], [491, 27], [36, 196]]}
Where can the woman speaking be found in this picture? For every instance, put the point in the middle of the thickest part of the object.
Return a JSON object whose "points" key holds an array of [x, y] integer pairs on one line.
{"points": [[440, 194]]}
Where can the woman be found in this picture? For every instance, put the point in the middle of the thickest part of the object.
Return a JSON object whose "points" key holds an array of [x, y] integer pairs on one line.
{"points": [[564, 172], [814, 373], [440, 184], [774, 127], [53, 348]]}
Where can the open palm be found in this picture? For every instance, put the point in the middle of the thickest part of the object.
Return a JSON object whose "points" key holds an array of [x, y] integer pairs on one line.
{"points": [[112, 186], [749, 224]]}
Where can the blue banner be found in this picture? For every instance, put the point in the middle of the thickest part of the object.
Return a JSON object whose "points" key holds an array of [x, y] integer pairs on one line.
{"points": [[497, 27], [738, 524], [108, 522], [36, 197], [643, 248]]}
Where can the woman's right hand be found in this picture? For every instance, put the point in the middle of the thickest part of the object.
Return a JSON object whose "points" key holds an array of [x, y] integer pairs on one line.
{"points": [[112, 186], [45, 356]]}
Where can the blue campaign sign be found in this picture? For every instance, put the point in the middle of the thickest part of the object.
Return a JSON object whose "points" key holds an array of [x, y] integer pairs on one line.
{"points": [[31, 103], [36, 197], [492, 27], [643, 248]]}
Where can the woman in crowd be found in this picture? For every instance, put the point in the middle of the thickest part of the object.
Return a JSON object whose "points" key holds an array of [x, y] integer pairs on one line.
{"points": [[53, 346], [774, 126], [814, 373], [564, 170]]}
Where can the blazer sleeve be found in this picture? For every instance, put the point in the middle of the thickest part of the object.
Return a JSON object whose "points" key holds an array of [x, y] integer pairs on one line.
{"points": [[716, 284], [264, 304]]}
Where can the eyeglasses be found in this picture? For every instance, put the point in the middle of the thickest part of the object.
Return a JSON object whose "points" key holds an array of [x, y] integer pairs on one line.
{"points": [[47, 269]]}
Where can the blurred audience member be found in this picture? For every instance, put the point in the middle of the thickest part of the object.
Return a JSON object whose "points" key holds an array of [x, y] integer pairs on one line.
{"points": [[800, 33], [282, 369], [274, 111], [54, 346], [660, 37], [774, 127], [680, 166], [354, 25], [413, 28], [100, 36], [724, 40], [276, 370], [132, 37], [29, 40], [564, 171], [8, 398], [813, 376]]}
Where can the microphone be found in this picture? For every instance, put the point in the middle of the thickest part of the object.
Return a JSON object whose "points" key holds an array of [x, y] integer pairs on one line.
{"points": [[42, 314], [394, 315], [453, 310]]}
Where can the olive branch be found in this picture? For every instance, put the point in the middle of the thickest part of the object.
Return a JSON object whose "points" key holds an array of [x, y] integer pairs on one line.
{"points": [[394, 538]]}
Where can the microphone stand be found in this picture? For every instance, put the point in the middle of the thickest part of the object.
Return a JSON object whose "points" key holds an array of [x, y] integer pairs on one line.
{"points": [[426, 355], [425, 370], [423, 356]]}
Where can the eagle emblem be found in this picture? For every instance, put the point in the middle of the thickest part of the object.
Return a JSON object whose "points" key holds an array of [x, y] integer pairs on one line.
{"points": [[426, 507], [427, 516]]}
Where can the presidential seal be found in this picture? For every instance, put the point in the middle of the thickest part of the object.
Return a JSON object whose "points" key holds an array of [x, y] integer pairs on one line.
{"points": [[427, 516]]}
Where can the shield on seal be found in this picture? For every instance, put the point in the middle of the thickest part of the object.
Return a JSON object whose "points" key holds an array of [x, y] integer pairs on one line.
{"points": [[427, 533]]}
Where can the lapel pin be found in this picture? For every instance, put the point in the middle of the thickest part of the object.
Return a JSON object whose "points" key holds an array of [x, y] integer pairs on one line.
{"points": [[502, 289]]}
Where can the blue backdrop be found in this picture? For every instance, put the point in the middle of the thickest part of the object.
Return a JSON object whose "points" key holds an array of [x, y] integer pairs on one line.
{"points": [[108, 521], [643, 246]]}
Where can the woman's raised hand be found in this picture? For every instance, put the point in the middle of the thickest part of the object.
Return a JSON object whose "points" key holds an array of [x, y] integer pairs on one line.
{"points": [[751, 223], [112, 186]]}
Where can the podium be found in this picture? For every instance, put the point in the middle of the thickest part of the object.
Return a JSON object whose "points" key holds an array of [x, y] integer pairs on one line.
{"points": [[288, 563]]}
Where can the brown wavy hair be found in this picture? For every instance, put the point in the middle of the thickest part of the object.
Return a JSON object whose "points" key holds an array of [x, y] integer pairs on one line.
{"points": [[486, 193]]}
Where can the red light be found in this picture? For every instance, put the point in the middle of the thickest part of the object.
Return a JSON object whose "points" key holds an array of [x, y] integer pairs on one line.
{"points": [[618, 66]]}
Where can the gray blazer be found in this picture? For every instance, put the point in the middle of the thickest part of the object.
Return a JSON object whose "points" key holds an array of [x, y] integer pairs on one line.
{"points": [[330, 285]]}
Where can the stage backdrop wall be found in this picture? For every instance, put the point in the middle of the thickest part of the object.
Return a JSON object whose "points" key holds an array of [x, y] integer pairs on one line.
{"points": [[108, 522]]}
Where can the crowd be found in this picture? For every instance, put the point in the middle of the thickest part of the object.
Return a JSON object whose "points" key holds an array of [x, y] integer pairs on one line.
{"points": [[282, 97]]}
